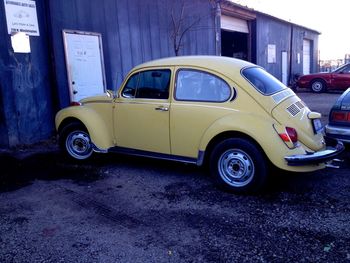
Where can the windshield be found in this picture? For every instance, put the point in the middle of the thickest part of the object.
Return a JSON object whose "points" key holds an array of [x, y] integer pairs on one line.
{"points": [[263, 81], [345, 69]]}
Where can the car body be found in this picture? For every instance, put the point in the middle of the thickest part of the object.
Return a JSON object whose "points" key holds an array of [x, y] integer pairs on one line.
{"points": [[201, 109], [339, 119], [339, 79]]}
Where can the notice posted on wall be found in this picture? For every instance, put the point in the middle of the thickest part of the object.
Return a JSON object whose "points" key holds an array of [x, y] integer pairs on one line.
{"points": [[20, 43], [271, 53], [21, 16]]}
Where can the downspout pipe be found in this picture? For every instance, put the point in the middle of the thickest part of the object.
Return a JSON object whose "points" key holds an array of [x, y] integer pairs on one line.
{"points": [[218, 28], [291, 78]]}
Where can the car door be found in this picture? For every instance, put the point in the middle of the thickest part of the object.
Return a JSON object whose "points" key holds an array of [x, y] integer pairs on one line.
{"points": [[200, 99], [341, 79], [141, 114]]}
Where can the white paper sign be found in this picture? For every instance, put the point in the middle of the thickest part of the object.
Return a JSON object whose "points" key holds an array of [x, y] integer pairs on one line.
{"points": [[20, 43], [21, 17], [271, 53]]}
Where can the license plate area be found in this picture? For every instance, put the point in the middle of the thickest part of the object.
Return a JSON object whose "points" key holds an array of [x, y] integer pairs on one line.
{"points": [[317, 125]]}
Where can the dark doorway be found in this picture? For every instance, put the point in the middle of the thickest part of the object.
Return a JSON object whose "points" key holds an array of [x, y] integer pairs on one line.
{"points": [[234, 44]]}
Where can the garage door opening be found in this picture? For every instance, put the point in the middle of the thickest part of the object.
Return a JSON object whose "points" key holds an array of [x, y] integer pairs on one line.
{"points": [[234, 44]]}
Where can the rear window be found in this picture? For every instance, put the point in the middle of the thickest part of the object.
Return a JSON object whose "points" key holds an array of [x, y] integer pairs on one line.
{"points": [[262, 80]]}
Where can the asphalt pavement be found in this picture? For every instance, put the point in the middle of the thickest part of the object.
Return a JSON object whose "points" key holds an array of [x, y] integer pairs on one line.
{"points": [[116, 208]]}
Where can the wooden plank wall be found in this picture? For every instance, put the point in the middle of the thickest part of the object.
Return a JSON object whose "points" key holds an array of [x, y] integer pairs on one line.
{"points": [[133, 31], [26, 112]]}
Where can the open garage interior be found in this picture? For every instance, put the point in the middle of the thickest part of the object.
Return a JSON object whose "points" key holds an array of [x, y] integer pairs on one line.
{"points": [[234, 37], [234, 44]]}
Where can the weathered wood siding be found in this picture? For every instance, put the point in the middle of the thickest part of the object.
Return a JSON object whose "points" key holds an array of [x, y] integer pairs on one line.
{"points": [[133, 31], [270, 30], [26, 114]]}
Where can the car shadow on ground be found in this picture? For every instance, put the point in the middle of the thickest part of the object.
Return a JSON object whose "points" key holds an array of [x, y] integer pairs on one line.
{"points": [[20, 172]]}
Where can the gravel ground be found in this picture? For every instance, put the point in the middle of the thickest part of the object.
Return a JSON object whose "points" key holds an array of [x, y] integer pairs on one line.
{"points": [[126, 209]]}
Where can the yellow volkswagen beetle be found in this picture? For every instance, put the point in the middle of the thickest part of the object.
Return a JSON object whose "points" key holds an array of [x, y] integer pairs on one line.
{"points": [[202, 109]]}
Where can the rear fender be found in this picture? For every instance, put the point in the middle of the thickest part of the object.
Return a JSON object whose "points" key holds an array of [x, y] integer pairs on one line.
{"points": [[257, 127]]}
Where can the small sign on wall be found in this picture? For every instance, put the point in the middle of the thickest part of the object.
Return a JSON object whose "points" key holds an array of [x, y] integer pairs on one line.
{"points": [[20, 43], [21, 16], [271, 53]]}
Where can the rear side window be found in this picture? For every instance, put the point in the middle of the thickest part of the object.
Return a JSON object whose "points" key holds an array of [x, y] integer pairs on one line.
{"points": [[150, 84], [262, 80], [194, 85]]}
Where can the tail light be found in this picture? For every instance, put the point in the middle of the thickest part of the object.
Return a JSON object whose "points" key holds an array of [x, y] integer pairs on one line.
{"points": [[342, 116], [289, 137], [75, 103]]}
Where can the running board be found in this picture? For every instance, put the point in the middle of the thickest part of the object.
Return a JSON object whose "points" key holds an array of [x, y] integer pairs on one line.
{"points": [[153, 155]]}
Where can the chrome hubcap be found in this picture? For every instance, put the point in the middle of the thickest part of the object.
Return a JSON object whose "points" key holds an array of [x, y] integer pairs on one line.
{"points": [[236, 167], [78, 145], [317, 86]]}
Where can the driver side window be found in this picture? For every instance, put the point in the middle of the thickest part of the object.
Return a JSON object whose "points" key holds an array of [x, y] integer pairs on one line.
{"points": [[150, 84]]}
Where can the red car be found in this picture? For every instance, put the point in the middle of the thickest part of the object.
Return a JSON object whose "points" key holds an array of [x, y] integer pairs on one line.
{"points": [[339, 79]]}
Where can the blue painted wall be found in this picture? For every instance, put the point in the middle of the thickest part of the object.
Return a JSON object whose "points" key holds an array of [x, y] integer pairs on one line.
{"points": [[133, 32], [33, 87], [26, 114]]}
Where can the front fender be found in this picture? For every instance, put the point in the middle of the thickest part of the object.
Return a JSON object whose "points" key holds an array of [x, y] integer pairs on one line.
{"points": [[100, 133]]}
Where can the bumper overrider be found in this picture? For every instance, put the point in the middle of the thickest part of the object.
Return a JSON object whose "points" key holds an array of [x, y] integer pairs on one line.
{"points": [[333, 149]]}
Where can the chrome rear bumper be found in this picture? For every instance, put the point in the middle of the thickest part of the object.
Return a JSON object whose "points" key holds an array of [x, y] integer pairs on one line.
{"points": [[333, 150]]}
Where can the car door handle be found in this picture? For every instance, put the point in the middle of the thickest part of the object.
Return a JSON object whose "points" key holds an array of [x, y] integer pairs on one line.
{"points": [[162, 108]]}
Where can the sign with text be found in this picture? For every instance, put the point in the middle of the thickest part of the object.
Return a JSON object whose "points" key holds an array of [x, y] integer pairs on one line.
{"points": [[271, 53], [21, 17]]}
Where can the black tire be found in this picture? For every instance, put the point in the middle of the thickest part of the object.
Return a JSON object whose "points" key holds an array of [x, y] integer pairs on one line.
{"points": [[238, 166], [318, 86], [75, 141]]}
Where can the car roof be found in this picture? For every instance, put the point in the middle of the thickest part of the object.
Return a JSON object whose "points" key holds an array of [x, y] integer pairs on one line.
{"points": [[224, 65]]}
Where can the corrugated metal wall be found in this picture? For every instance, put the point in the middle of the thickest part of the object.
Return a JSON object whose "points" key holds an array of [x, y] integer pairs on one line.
{"points": [[34, 86], [286, 37], [133, 32]]}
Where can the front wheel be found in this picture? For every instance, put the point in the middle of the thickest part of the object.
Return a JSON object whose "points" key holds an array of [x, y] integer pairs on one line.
{"points": [[238, 165], [75, 141]]}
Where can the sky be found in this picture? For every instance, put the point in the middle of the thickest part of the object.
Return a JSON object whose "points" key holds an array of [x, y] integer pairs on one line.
{"points": [[325, 16]]}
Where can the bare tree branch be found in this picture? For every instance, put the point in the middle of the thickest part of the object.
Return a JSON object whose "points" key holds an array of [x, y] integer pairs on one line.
{"points": [[180, 28]]}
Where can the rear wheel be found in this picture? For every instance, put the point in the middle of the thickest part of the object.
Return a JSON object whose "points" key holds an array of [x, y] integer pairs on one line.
{"points": [[75, 141], [318, 86], [238, 165]]}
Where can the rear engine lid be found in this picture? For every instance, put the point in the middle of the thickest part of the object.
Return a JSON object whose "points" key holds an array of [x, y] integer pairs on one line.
{"points": [[292, 112]]}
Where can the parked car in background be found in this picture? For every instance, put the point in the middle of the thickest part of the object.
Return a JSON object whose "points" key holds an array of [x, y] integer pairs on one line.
{"points": [[226, 112], [339, 79], [339, 119]]}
